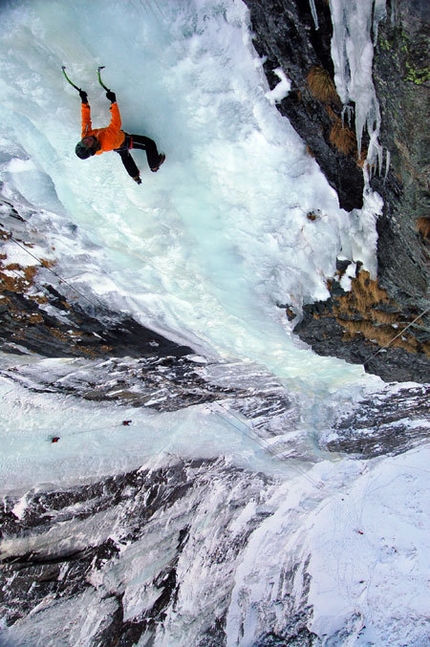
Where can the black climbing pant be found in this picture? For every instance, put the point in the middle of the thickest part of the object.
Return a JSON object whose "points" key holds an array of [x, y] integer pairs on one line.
{"points": [[140, 142]]}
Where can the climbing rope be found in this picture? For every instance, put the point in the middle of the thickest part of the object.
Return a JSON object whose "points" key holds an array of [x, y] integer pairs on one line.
{"points": [[264, 445], [58, 276], [396, 336]]}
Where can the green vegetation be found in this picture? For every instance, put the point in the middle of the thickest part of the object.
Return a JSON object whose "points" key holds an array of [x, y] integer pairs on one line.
{"points": [[415, 75]]}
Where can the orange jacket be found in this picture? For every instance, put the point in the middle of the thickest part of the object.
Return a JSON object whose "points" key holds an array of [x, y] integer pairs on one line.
{"points": [[110, 137]]}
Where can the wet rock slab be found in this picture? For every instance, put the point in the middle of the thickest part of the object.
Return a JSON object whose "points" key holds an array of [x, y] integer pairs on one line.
{"points": [[387, 422]]}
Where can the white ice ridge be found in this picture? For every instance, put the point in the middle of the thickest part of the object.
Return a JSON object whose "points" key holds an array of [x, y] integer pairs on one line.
{"points": [[355, 23]]}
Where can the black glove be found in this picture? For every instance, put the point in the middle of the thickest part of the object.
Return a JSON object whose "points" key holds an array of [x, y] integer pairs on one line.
{"points": [[137, 180], [84, 96], [111, 96]]}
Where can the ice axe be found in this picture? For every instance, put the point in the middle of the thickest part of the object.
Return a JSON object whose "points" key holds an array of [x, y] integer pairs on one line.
{"points": [[63, 67], [101, 67]]}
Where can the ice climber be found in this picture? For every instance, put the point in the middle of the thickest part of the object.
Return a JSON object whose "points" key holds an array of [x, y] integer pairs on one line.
{"points": [[96, 141]]}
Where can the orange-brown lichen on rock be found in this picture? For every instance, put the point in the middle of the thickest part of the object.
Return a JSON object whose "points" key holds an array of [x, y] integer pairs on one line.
{"points": [[322, 86], [423, 226], [368, 311], [15, 278], [343, 138]]}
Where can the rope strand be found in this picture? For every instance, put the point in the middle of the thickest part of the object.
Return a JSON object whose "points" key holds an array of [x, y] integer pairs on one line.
{"points": [[58, 276], [396, 336]]}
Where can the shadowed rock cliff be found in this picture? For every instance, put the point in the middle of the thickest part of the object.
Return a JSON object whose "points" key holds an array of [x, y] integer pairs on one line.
{"points": [[285, 34]]}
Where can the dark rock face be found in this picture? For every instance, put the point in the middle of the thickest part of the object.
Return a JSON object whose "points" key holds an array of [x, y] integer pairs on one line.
{"points": [[42, 313], [285, 33], [118, 522], [362, 326], [100, 333], [387, 423], [402, 81], [42, 571], [167, 384], [326, 337]]}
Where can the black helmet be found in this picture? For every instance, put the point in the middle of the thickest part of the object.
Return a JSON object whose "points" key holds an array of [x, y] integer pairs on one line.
{"points": [[83, 151]]}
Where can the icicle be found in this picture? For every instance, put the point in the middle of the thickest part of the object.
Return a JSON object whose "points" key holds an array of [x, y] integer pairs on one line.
{"points": [[380, 154], [375, 152], [347, 111], [354, 23], [314, 13], [387, 163], [379, 12]]}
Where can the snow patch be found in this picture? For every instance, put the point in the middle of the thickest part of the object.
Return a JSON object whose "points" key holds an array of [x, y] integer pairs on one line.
{"points": [[281, 90]]}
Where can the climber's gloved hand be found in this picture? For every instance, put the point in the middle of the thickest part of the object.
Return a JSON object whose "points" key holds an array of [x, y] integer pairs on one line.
{"points": [[84, 96], [111, 96], [137, 179]]}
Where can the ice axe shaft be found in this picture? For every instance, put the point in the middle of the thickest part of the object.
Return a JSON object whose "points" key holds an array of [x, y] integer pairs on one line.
{"points": [[101, 67], [63, 67]]}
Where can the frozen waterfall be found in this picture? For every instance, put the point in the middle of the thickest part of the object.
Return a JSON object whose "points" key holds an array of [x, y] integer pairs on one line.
{"points": [[221, 523]]}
